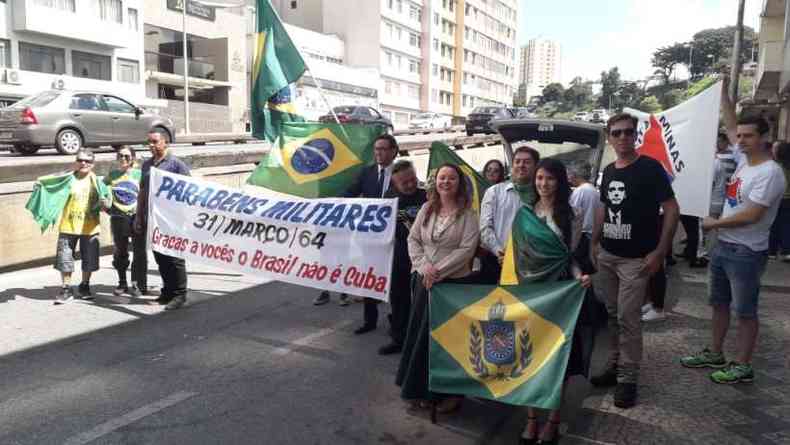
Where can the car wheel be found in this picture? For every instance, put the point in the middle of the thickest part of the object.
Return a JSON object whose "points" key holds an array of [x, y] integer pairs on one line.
{"points": [[68, 141], [25, 149], [165, 134]]}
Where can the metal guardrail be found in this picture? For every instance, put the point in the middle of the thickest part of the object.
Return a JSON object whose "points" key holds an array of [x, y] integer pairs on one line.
{"points": [[241, 138]]}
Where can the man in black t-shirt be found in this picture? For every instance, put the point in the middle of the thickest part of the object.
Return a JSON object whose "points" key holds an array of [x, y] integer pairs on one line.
{"points": [[629, 248], [410, 200]]}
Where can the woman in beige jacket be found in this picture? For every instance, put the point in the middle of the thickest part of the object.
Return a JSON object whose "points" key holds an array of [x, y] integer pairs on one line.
{"points": [[442, 244]]}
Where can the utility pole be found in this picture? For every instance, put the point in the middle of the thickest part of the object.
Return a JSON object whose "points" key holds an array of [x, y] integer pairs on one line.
{"points": [[736, 54]]}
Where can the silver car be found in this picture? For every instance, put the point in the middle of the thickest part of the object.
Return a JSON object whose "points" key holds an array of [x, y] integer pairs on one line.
{"points": [[70, 120]]}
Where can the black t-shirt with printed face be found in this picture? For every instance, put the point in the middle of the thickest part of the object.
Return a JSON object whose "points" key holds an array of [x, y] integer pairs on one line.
{"points": [[632, 196]]}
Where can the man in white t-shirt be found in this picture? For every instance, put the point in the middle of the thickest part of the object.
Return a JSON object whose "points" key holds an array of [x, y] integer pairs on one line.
{"points": [[738, 260], [585, 196]]}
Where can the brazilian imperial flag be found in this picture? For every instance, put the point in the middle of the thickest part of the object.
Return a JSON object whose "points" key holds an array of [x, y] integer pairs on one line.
{"points": [[505, 343], [316, 160], [442, 154], [277, 65]]}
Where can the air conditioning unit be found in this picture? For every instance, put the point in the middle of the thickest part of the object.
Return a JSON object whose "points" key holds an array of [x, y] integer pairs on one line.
{"points": [[12, 76], [58, 84]]}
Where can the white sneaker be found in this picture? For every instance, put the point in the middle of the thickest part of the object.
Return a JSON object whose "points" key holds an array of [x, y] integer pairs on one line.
{"points": [[647, 308], [653, 315]]}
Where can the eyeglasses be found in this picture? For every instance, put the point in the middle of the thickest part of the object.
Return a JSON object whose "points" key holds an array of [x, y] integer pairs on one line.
{"points": [[628, 132], [86, 161]]}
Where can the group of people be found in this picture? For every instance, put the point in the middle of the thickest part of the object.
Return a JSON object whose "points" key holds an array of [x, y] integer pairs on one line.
{"points": [[117, 194]]}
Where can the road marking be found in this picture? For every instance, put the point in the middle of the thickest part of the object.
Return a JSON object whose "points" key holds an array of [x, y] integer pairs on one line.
{"points": [[586, 439], [128, 418], [304, 341]]}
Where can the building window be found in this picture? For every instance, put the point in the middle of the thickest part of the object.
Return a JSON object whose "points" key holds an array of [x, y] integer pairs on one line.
{"points": [[388, 87], [128, 71], [414, 40], [92, 66], [389, 3], [63, 5], [293, 4], [5, 53], [400, 6], [414, 91], [111, 10], [43, 59], [435, 70], [435, 18], [415, 13], [131, 17], [414, 66]]}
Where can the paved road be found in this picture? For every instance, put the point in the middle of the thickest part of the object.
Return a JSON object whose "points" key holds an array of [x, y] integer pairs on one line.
{"points": [[251, 362]]}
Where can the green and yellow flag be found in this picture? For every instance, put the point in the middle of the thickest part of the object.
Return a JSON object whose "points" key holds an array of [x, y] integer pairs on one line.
{"points": [[277, 65], [505, 343], [534, 252], [50, 194], [442, 154], [316, 160]]}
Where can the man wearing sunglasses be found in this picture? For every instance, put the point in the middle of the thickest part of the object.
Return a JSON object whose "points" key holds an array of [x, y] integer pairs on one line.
{"points": [[79, 223], [124, 182], [173, 270], [630, 241]]}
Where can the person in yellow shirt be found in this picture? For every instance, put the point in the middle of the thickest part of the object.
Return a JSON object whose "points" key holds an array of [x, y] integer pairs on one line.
{"points": [[79, 222]]}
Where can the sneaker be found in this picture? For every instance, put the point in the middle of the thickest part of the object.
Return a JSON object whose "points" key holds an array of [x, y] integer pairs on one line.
{"points": [[653, 315], [134, 292], [704, 359], [647, 308], [84, 290], [322, 298], [66, 295], [734, 373], [345, 300], [175, 303], [625, 395], [606, 379], [121, 289]]}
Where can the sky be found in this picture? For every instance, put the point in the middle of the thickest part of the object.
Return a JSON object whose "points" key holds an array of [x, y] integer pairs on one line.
{"points": [[598, 34]]}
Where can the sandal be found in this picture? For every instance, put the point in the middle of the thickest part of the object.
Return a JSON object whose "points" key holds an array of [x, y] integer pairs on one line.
{"points": [[530, 440], [554, 440]]}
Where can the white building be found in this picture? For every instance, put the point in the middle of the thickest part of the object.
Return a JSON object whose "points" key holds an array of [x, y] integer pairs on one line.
{"points": [[540, 65], [432, 54], [72, 44]]}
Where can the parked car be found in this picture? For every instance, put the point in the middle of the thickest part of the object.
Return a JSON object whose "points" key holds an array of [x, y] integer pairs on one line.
{"points": [[599, 116], [581, 116], [479, 119], [357, 114], [430, 120], [70, 120]]}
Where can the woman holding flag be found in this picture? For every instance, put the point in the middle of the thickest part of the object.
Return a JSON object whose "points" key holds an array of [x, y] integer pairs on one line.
{"points": [[544, 239], [442, 243]]}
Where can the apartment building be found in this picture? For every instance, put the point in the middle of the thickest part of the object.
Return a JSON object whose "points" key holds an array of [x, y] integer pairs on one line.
{"points": [[444, 56], [71, 44], [540, 64]]}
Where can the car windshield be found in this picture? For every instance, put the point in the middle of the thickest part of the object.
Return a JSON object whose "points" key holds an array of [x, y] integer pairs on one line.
{"points": [[37, 100], [485, 110], [424, 116], [343, 110]]}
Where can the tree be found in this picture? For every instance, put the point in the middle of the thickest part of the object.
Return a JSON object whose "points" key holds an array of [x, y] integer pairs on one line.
{"points": [[579, 94], [610, 84], [629, 95], [650, 104], [711, 46], [672, 97], [667, 58], [553, 92]]}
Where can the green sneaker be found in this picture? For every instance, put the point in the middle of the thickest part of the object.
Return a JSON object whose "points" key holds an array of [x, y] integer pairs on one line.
{"points": [[734, 373], [704, 359]]}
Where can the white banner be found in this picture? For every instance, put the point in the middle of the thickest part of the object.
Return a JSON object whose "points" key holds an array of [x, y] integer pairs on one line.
{"points": [[342, 245], [683, 140]]}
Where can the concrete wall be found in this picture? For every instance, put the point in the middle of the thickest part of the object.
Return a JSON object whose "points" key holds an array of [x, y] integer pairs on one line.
{"points": [[22, 243], [203, 118]]}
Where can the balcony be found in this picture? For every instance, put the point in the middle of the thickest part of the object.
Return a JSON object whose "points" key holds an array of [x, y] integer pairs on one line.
{"points": [[77, 20], [769, 69], [169, 70]]}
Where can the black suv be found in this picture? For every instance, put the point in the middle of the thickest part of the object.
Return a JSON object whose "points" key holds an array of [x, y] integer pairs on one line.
{"points": [[479, 118]]}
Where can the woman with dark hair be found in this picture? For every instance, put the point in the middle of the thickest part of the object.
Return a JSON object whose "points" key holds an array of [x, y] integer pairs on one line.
{"points": [[442, 243], [494, 171], [779, 242], [553, 217]]}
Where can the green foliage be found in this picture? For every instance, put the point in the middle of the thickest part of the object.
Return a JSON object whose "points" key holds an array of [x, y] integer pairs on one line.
{"points": [[610, 84], [553, 92], [667, 58], [671, 98], [650, 104], [714, 46]]}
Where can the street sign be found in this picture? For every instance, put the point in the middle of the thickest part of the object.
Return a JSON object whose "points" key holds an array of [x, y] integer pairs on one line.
{"points": [[194, 8]]}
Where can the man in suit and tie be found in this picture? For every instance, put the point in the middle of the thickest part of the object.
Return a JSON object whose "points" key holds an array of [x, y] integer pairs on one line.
{"points": [[372, 182]]}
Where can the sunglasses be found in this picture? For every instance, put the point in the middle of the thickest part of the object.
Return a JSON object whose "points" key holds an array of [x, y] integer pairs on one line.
{"points": [[124, 156], [628, 132], [86, 161]]}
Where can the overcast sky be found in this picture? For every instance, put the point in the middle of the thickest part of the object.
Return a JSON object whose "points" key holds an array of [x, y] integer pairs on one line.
{"points": [[598, 34]]}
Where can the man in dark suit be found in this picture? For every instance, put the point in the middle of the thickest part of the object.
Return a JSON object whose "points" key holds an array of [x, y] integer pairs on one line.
{"points": [[410, 200], [372, 182]]}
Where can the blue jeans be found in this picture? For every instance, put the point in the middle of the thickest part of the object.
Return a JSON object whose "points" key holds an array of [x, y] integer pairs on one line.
{"points": [[735, 272], [780, 230]]}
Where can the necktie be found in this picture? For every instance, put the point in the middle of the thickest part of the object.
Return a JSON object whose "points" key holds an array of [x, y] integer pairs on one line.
{"points": [[381, 182]]}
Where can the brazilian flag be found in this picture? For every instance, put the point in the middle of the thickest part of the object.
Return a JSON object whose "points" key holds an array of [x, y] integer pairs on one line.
{"points": [[51, 192], [277, 66], [505, 343], [534, 252], [315, 160], [442, 154]]}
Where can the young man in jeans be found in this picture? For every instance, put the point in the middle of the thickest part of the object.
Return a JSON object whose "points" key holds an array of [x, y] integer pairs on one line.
{"points": [[737, 262], [629, 248]]}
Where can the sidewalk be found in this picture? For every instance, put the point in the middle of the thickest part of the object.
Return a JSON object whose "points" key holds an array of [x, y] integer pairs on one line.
{"points": [[676, 405]]}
